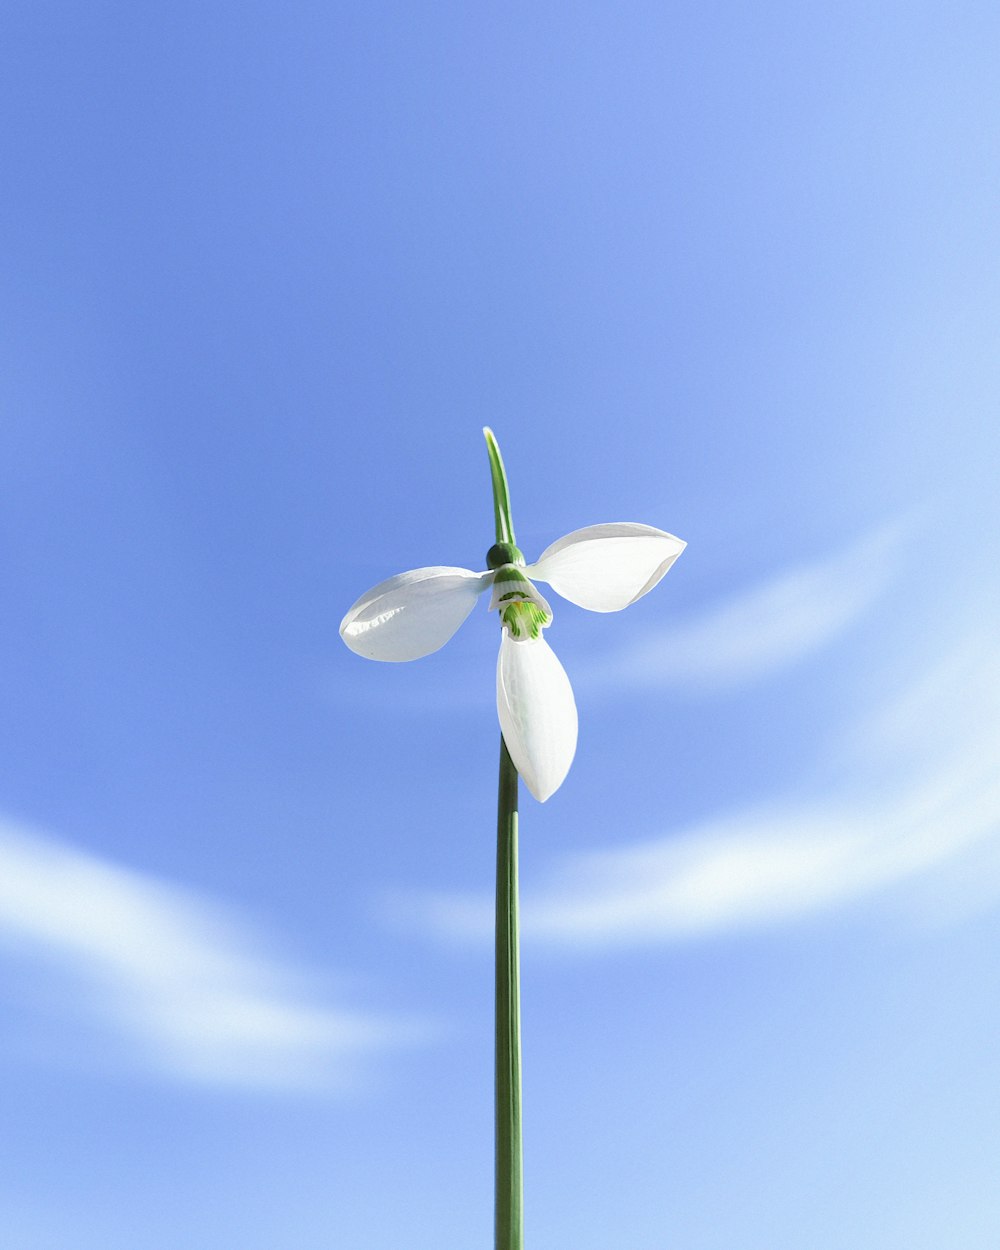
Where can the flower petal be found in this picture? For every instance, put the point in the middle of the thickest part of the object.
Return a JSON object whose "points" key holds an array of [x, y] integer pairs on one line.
{"points": [[607, 567], [537, 713], [412, 614]]}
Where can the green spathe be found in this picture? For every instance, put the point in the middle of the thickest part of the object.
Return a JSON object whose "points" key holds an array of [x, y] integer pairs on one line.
{"points": [[501, 495]]}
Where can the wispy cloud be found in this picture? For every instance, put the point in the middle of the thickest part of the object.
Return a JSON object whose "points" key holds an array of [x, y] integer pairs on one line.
{"points": [[772, 625], [187, 984], [928, 793]]}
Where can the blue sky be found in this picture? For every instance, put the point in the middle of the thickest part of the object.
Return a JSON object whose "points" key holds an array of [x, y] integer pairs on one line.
{"points": [[266, 272]]}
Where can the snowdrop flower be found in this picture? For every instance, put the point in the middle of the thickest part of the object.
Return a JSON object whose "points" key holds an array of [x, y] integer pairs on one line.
{"points": [[603, 568]]}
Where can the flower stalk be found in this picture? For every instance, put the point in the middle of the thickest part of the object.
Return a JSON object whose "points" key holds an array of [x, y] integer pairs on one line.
{"points": [[508, 1213], [508, 1191]]}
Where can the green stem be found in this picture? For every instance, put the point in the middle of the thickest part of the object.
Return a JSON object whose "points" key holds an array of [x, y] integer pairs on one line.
{"points": [[509, 1221], [501, 493]]}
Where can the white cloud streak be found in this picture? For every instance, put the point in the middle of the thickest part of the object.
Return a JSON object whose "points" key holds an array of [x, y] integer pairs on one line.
{"points": [[929, 797], [771, 626], [186, 984]]}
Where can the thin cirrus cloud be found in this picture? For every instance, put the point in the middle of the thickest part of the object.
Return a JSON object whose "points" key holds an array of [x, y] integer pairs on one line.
{"points": [[923, 809], [186, 987], [773, 625]]}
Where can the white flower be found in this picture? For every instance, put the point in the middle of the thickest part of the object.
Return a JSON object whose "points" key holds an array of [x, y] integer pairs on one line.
{"points": [[603, 568]]}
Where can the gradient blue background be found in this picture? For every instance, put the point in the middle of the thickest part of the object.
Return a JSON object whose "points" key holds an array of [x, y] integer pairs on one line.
{"points": [[266, 270]]}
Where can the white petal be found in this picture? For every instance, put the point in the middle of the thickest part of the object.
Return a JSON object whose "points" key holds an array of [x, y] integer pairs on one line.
{"points": [[607, 567], [537, 713], [412, 614]]}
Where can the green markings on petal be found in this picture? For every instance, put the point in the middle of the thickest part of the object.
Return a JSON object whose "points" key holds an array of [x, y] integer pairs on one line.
{"points": [[524, 613], [524, 620], [508, 575]]}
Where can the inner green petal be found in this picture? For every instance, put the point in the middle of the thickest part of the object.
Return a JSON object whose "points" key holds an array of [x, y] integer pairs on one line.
{"points": [[524, 619]]}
